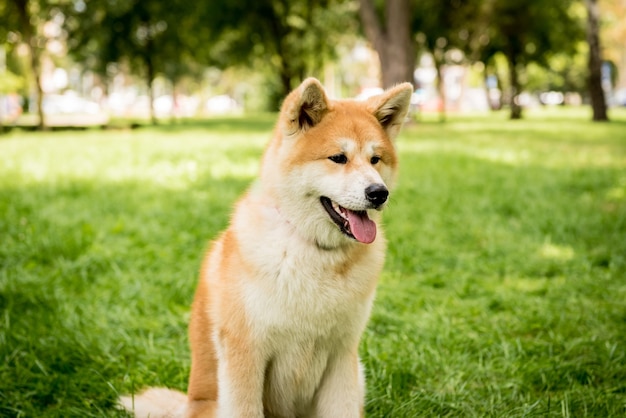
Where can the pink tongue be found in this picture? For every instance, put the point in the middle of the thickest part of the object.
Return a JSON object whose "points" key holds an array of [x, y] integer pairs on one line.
{"points": [[362, 227]]}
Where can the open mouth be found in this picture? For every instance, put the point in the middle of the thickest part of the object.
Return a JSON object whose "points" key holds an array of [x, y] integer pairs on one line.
{"points": [[354, 223]]}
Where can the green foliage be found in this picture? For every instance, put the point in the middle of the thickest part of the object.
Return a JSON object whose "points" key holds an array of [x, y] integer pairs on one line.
{"points": [[532, 30], [10, 83], [142, 34], [288, 41], [445, 24], [503, 292], [540, 40], [564, 72]]}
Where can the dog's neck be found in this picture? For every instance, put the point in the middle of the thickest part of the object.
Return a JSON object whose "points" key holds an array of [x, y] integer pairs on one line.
{"points": [[285, 221]]}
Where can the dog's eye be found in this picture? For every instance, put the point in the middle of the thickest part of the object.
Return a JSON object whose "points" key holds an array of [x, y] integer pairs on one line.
{"points": [[339, 158], [375, 159]]}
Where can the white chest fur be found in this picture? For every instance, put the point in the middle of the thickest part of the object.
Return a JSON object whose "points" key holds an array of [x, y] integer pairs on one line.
{"points": [[300, 287], [304, 305]]}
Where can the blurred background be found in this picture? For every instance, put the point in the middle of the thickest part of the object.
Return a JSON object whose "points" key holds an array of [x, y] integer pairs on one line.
{"points": [[83, 62]]}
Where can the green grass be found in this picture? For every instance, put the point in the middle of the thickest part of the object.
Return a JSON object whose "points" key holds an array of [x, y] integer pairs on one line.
{"points": [[504, 292]]}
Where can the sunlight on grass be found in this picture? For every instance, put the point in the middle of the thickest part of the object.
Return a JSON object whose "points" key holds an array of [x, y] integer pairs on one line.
{"points": [[617, 192], [556, 252], [529, 285], [170, 163], [549, 137], [504, 156]]}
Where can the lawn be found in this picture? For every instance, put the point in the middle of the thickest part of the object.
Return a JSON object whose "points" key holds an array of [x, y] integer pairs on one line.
{"points": [[504, 292]]}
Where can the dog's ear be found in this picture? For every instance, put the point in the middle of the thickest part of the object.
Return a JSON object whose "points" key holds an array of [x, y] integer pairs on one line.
{"points": [[391, 107], [304, 107]]}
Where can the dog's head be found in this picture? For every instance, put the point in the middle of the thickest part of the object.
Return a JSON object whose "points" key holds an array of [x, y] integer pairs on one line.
{"points": [[331, 163]]}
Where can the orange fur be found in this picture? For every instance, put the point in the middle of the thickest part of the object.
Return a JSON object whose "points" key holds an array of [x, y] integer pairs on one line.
{"points": [[285, 292]]}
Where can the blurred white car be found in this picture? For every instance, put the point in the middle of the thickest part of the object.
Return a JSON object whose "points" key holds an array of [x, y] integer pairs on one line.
{"points": [[223, 104], [54, 104], [71, 110]]}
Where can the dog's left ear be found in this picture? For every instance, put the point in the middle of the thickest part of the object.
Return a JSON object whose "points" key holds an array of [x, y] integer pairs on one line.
{"points": [[304, 107], [391, 107]]}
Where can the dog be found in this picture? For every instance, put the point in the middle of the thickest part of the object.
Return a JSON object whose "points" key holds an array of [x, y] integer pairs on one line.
{"points": [[286, 291]]}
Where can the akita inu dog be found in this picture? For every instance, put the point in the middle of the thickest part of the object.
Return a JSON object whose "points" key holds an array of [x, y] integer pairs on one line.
{"points": [[286, 291]]}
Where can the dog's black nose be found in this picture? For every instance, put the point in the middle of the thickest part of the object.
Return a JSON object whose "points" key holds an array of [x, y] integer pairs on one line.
{"points": [[376, 193]]}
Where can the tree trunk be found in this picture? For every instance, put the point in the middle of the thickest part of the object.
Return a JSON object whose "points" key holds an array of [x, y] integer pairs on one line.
{"points": [[151, 74], [175, 111], [598, 101], [394, 44], [35, 61], [515, 88], [441, 90], [30, 37]]}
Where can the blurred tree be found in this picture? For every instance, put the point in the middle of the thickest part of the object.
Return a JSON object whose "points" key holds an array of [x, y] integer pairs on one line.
{"points": [[524, 31], [390, 33], [530, 31], [596, 92], [144, 34], [25, 18], [563, 73], [443, 26], [290, 39]]}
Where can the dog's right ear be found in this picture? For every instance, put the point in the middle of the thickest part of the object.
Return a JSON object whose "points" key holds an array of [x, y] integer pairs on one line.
{"points": [[304, 107]]}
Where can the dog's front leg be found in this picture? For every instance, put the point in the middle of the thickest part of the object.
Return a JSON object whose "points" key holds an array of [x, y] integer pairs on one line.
{"points": [[240, 377], [342, 390]]}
